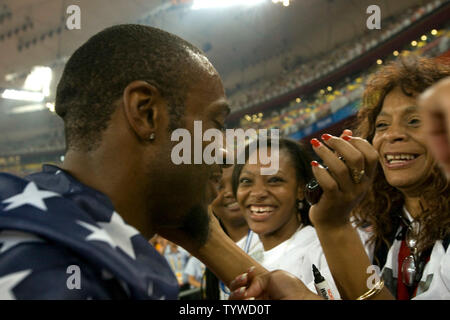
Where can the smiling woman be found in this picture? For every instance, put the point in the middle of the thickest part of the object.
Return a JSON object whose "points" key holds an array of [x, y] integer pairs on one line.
{"points": [[409, 189], [275, 209]]}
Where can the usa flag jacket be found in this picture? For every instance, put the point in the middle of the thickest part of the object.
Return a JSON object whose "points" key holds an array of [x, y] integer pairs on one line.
{"points": [[60, 239]]}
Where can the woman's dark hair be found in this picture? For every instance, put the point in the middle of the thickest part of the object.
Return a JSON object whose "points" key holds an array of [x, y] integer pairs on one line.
{"points": [[299, 158], [211, 289]]}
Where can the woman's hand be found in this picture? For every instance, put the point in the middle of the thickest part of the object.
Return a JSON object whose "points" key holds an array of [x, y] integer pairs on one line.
{"points": [[351, 163], [275, 285]]}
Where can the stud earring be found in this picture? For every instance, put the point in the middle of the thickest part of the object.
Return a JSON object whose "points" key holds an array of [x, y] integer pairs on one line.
{"points": [[152, 136], [300, 204]]}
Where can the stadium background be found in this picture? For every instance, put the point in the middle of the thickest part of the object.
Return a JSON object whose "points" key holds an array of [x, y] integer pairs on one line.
{"points": [[297, 65]]}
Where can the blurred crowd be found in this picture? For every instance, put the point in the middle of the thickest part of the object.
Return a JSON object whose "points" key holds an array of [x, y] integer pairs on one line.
{"points": [[187, 268], [267, 88], [301, 113]]}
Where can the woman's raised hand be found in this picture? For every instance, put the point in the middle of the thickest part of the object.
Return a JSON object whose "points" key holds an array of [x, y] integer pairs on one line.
{"points": [[351, 163]]}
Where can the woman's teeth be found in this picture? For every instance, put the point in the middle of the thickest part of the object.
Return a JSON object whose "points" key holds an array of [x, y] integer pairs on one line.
{"points": [[233, 206], [399, 158], [261, 209]]}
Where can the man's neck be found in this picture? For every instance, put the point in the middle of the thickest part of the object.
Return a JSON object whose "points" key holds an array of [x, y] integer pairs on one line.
{"points": [[107, 178]]}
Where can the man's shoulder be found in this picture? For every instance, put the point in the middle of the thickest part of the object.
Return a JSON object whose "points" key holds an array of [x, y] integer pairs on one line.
{"points": [[33, 268], [9, 182], [79, 222], [29, 207]]}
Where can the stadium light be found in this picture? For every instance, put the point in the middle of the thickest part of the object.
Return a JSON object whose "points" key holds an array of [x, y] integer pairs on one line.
{"points": [[28, 108], [284, 2], [50, 106], [208, 4], [39, 79], [23, 95]]}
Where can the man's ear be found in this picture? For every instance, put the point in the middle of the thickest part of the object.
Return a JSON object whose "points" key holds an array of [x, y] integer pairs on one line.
{"points": [[141, 104]]}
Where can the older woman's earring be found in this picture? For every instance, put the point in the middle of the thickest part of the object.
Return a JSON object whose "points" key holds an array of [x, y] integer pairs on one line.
{"points": [[300, 204], [152, 136]]}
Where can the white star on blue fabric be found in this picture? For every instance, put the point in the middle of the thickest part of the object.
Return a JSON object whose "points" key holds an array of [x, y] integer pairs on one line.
{"points": [[121, 233], [97, 234], [9, 282], [9, 239], [32, 196]]}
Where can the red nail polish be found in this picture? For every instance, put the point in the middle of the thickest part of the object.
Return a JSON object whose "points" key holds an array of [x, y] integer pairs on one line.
{"points": [[314, 163], [347, 138], [348, 132], [315, 142], [326, 137]]}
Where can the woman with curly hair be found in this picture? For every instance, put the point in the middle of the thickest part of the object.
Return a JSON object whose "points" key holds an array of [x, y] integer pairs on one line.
{"points": [[406, 209]]}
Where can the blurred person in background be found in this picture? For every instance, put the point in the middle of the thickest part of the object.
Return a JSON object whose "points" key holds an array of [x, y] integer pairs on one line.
{"points": [[194, 272], [178, 258], [231, 218], [159, 243]]}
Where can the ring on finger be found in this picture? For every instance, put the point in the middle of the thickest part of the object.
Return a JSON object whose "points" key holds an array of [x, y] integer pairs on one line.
{"points": [[357, 175]]}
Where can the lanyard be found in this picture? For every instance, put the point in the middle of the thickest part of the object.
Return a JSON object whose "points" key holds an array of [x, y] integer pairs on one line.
{"points": [[248, 241], [178, 267]]}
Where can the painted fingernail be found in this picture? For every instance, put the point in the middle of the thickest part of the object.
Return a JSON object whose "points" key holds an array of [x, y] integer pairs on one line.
{"points": [[314, 163], [251, 269], [243, 277], [326, 137], [347, 138], [347, 132], [315, 142], [241, 290], [251, 298]]}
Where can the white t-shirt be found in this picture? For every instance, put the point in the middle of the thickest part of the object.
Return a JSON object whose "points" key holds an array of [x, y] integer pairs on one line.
{"points": [[297, 255], [254, 248]]}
